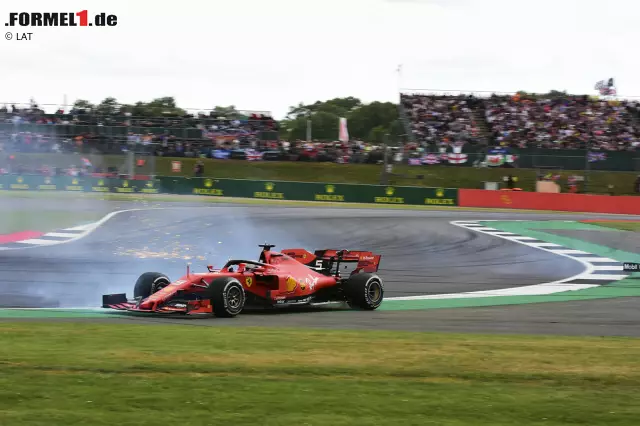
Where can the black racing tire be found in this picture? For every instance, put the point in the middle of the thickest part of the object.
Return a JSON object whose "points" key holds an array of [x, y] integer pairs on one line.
{"points": [[227, 297], [149, 283], [364, 291]]}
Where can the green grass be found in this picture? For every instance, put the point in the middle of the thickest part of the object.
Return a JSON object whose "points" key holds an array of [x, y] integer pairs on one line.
{"points": [[43, 220], [623, 226], [105, 374], [433, 176]]}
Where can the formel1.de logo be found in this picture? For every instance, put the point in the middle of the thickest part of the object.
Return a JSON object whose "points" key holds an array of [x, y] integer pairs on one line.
{"points": [[61, 19]]}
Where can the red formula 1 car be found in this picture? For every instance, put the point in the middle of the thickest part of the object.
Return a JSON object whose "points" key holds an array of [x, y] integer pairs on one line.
{"points": [[290, 277]]}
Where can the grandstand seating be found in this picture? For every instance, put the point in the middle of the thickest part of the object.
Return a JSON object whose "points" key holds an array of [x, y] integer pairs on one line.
{"points": [[570, 122], [435, 121], [31, 130]]}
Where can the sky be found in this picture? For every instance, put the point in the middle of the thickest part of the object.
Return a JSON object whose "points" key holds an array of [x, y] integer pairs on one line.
{"points": [[270, 55]]}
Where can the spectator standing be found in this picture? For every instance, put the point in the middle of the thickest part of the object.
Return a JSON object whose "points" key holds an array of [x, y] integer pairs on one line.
{"points": [[198, 170]]}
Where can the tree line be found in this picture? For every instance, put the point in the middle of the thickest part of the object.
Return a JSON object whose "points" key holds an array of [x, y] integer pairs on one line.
{"points": [[374, 122], [370, 122]]}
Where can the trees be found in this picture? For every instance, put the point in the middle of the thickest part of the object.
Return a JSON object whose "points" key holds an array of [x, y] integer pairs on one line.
{"points": [[159, 107], [370, 122], [365, 121]]}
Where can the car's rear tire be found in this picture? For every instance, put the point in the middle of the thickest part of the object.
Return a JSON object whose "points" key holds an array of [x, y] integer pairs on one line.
{"points": [[364, 291], [227, 297], [149, 283]]}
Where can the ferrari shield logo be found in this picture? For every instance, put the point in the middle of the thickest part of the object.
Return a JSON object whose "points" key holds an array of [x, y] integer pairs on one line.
{"points": [[291, 284], [249, 281]]}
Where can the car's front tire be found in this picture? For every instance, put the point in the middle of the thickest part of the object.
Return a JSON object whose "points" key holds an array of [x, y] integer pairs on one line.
{"points": [[149, 283], [364, 291], [227, 297]]}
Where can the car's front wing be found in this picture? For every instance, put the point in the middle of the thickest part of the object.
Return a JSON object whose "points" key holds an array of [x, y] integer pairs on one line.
{"points": [[119, 302]]}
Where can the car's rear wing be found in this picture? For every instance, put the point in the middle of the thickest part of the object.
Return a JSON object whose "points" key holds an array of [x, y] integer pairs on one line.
{"points": [[366, 260]]}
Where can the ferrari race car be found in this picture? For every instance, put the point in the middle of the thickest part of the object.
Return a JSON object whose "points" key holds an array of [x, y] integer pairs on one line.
{"points": [[291, 277]]}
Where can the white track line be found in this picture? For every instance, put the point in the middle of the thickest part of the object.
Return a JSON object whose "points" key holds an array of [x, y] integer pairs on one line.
{"points": [[60, 234], [39, 242], [87, 230], [559, 286]]}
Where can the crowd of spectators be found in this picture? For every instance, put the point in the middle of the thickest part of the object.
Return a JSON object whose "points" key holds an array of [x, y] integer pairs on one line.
{"points": [[444, 123], [80, 131], [32, 130], [566, 123], [569, 122], [442, 119]]}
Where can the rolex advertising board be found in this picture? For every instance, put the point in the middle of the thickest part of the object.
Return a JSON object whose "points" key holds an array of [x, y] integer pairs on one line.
{"points": [[331, 193], [72, 183], [22, 183], [241, 188], [441, 197], [209, 187], [99, 185], [270, 191], [48, 184]]}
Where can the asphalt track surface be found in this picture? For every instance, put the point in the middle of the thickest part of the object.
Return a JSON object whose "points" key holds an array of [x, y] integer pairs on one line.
{"points": [[422, 254]]}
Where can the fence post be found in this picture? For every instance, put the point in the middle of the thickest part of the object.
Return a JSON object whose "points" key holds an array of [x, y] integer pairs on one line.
{"points": [[587, 167], [384, 177]]}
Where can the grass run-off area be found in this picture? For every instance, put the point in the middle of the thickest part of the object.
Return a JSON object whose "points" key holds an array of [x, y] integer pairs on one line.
{"points": [[623, 226], [431, 176], [70, 373], [43, 220]]}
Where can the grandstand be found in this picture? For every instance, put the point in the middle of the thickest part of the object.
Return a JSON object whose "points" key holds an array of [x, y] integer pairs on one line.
{"points": [[251, 135], [551, 130], [31, 129], [462, 129]]}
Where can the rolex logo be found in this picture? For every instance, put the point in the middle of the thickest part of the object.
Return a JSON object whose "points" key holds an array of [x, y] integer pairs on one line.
{"points": [[330, 189], [125, 184], [150, 184], [389, 191], [74, 181], [20, 179], [269, 186], [208, 183], [439, 192], [101, 182]]}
